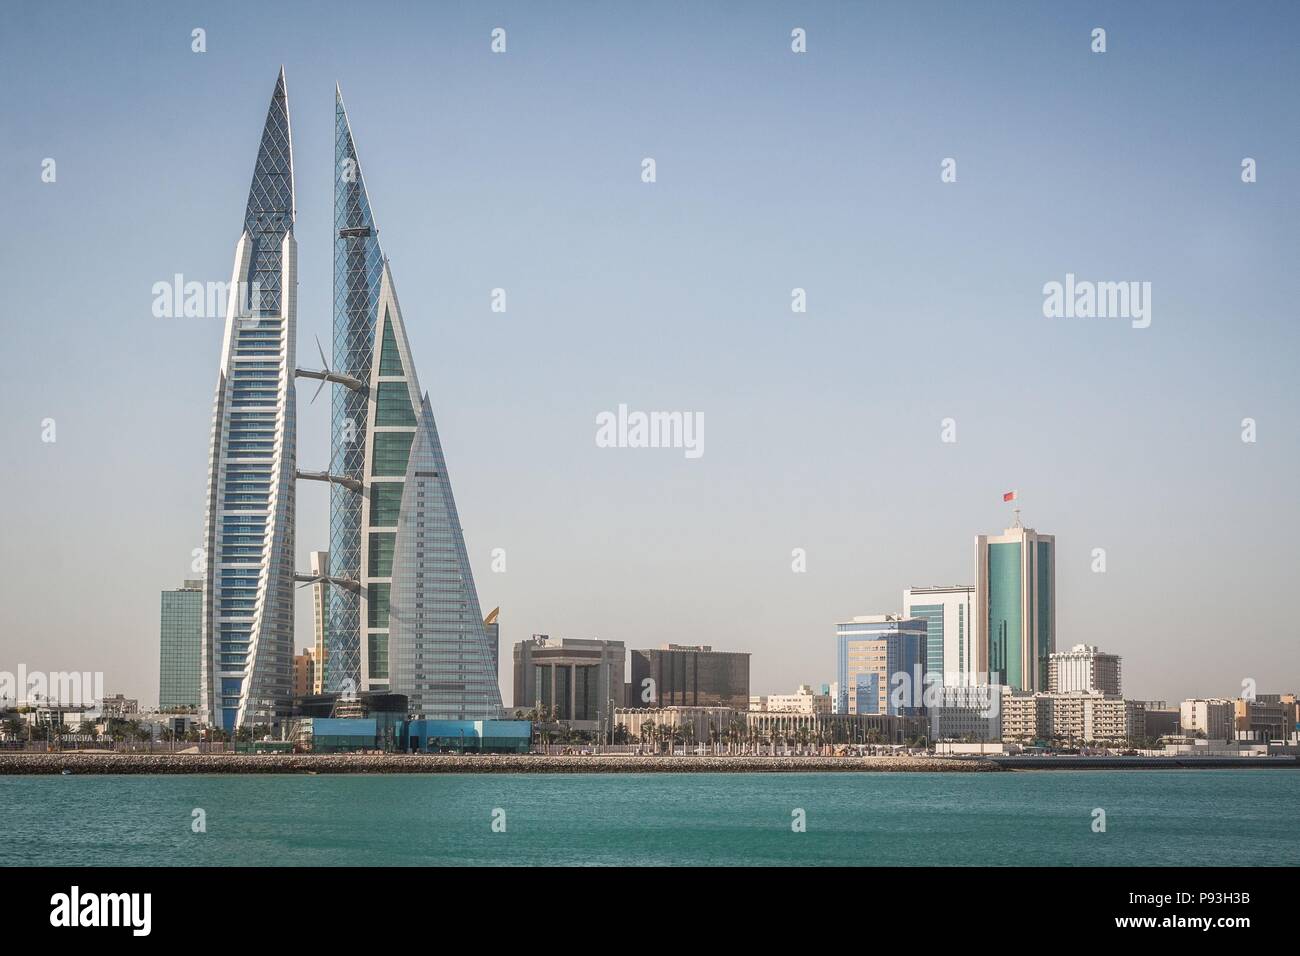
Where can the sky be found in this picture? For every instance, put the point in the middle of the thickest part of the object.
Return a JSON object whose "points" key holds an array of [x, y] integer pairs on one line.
{"points": [[775, 170]]}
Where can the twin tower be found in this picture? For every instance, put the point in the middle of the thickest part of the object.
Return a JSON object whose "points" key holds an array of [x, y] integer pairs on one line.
{"points": [[400, 610]]}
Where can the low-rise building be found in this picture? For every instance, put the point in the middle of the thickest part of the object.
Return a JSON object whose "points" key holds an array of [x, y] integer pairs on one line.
{"points": [[1263, 718], [967, 713], [1072, 718], [802, 701], [833, 729], [118, 705], [697, 724]]}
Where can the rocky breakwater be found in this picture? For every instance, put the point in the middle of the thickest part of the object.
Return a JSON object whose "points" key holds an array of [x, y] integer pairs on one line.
{"points": [[143, 763]]}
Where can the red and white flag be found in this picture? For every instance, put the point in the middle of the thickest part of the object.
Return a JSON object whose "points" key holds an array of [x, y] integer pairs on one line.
{"points": [[1009, 496]]}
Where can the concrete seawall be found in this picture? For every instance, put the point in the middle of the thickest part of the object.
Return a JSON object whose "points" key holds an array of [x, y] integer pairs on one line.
{"points": [[127, 763]]}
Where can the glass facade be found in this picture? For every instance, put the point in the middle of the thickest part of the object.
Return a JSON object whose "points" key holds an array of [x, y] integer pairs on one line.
{"points": [[1046, 576], [412, 625], [358, 267], [693, 677], [872, 656], [1005, 625], [932, 614], [180, 648], [246, 650]]}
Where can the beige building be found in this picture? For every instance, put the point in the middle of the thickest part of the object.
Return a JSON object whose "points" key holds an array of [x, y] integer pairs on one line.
{"points": [[320, 612], [701, 724], [1208, 717], [802, 701], [1074, 718], [304, 673], [836, 728], [1266, 717]]}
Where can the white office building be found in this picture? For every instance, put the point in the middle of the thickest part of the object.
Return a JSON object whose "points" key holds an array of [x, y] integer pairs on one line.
{"points": [[949, 615]]}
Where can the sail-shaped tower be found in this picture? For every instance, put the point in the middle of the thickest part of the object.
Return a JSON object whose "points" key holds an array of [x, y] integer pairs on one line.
{"points": [[404, 612], [248, 584]]}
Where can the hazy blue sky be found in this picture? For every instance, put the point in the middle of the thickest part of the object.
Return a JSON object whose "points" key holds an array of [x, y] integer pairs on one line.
{"points": [[775, 171]]}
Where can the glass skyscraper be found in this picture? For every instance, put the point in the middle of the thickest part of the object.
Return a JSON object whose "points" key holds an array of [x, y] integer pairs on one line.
{"points": [[181, 637], [1015, 606], [407, 620], [246, 668], [875, 654]]}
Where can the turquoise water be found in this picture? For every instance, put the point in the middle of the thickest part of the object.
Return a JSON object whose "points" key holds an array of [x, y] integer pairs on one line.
{"points": [[1197, 817]]}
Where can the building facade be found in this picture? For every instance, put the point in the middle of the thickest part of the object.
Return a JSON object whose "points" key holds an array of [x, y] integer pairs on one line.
{"points": [[304, 673], [492, 626], [575, 681], [803, 701], [1263, 718], [1071, 718], [875, 654], [697, 725], [833, 729], [969, 712], [246, 667], [181, 631], [689, 676], [404, 611], [949, 646], [320, 613], [1015, 606], [1208, 717], [1083, 670]]}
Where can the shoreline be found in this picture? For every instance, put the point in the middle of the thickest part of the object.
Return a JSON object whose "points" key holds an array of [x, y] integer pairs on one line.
{"points": [[82, 762], [104, 762]]}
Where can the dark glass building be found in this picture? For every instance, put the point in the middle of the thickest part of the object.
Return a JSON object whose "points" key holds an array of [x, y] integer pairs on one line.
{"points": [[689, 676]]}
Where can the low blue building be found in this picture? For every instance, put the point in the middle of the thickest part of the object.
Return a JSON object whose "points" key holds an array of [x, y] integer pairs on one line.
{"points": [[462, 736]]}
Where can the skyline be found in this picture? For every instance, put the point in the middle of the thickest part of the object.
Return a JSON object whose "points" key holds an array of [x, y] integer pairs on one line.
{"points": [[1121, 438]]}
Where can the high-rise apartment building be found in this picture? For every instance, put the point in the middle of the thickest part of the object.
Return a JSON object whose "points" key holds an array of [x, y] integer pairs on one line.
{"points": [[876, 654], [1015, 606], [949, 644], [246, 675], [181, 632], [1083, 670]]}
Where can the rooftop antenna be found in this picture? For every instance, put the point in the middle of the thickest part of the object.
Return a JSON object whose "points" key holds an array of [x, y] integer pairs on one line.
{"points": [[1016, 523]]}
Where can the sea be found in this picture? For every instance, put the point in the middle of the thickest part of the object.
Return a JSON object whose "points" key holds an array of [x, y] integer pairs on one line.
{"points": [[1034, 818]]}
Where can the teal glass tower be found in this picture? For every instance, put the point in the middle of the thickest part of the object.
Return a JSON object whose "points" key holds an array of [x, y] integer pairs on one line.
{"points": [[1015, 606], [246, 667], [404, 613], [180, 639]]}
